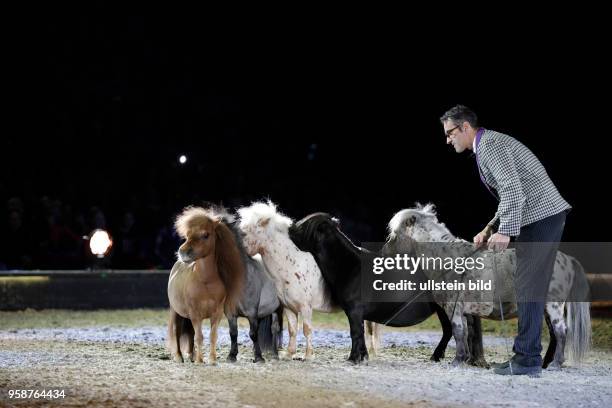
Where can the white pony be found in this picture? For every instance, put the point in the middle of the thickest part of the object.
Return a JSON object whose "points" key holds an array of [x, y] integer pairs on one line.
{"points": [[298, 280], [411, 228]]}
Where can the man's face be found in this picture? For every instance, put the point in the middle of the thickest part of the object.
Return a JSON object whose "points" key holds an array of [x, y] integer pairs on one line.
{"points": [[457, 135]]}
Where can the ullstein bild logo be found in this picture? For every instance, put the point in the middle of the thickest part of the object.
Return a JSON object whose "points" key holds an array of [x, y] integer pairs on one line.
{"points": [[404, 284]]}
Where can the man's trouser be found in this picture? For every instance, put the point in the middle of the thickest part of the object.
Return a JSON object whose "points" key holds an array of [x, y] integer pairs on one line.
{"points": [[536, 251]]}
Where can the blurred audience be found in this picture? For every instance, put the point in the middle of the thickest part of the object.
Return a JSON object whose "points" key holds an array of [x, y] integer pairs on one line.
{"points": [[47, 233]]}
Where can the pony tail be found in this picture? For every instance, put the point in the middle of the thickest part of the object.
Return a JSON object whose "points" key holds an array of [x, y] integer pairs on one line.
{"points": [[230, 265]]}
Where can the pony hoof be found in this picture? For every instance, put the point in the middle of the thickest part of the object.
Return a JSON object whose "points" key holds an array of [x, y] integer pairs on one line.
{"points": [[231, 358], [286, 356], [480, 362], [213, 363], [457, 362], [435, 358], [309, 357], [177, 358], [259, 360], [554, 366], [354, 360], [199, 361]]}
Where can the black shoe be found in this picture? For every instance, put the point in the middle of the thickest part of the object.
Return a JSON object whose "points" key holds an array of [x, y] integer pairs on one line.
{"points": [[517, 369], [501, 365]]}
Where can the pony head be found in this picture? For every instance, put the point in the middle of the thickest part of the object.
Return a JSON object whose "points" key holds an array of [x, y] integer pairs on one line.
{"points": [[259, 223], [420, 224], [206, 233], [313, 230], [199, 228]]}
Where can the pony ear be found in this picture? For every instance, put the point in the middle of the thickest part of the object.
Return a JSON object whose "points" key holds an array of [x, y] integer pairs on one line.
{"points": [[263, 222], [217, 222], [429, 208]]}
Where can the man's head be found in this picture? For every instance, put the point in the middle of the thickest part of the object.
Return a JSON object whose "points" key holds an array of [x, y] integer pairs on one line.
{"points": [[460, 124]]}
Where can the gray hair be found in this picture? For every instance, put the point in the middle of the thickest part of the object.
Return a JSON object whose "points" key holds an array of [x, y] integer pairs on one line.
{"points": [[459, 114]]}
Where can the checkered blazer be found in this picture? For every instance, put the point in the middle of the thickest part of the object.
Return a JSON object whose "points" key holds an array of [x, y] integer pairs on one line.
{"points": [[525, 192]]}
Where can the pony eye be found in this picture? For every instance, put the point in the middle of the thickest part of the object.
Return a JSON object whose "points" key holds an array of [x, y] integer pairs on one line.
{"points": [[204, 235], [411, 221]]}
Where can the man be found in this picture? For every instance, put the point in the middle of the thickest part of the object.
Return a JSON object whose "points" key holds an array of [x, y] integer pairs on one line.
{"points": [[530, 210]]}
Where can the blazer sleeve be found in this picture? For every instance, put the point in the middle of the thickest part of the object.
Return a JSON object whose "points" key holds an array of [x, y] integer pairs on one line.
{"points": [[497, 157]]}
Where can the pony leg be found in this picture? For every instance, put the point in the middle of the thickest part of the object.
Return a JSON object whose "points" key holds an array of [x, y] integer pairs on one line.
{"points": [[174, 336], [189, 333], [292, 321], [376, 337], [214, 325], [359, 352], [233, 330], [447, 333], [277, 332], [307, 328], [558, 331], [459, 324], [199, 340], [253, 327], [475, 346], [369, 337], [552, 345]]}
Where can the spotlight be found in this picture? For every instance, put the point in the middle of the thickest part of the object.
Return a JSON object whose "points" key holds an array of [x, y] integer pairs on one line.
{"points": [[183, 159], [100, 243]]}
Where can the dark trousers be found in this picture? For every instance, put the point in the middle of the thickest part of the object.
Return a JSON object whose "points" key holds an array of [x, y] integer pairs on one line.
{"points": [[536, 251]]}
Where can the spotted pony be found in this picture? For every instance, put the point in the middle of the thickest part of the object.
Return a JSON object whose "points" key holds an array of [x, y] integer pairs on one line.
{"points": [[411, 230], [296, 276]]}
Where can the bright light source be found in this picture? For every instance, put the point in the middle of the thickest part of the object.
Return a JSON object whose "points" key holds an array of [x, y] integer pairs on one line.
{"points": [[99, 243], [183, 159]]}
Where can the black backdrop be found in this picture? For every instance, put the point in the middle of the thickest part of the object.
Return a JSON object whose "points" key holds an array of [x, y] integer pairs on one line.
{"points": [[103, 110]]}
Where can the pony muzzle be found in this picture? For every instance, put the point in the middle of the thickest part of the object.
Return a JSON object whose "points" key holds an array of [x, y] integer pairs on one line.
{"points": [[185, 256]]}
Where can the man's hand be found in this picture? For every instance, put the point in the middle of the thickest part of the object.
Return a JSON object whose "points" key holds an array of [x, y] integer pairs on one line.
{"points": [[483, 236], [498, 242]]}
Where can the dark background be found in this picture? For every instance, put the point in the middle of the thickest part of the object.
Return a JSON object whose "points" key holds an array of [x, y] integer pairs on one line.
{"points": [[343, 124]]}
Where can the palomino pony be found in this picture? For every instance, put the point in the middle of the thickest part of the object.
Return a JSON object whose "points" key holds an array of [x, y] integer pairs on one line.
{"points": [[341, 265], [410, 231], [299, 284], [207, 279]]}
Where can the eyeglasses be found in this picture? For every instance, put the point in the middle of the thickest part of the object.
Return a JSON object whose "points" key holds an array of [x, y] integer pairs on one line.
{"points": [[449, 133]]}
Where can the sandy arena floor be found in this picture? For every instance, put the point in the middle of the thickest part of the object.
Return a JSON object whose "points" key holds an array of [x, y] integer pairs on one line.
{"points": [[107, 366]]}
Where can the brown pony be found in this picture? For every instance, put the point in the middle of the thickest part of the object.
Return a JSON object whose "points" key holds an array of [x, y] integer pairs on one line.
{"points": [[206, 280]]}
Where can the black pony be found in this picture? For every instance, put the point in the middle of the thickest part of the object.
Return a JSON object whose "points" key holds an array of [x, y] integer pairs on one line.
{"points": [[340, 262]]}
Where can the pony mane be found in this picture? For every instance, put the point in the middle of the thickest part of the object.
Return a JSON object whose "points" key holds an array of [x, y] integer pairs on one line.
{"points": [[230, 264], [305, 231], [401, 216], [264, 214], [231, 222], [190, 218], [427, 209], [193, 216], [309, 224]]}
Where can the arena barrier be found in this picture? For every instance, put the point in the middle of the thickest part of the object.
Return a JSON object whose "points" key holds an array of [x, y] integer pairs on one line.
{"points": [[83, 289]]}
